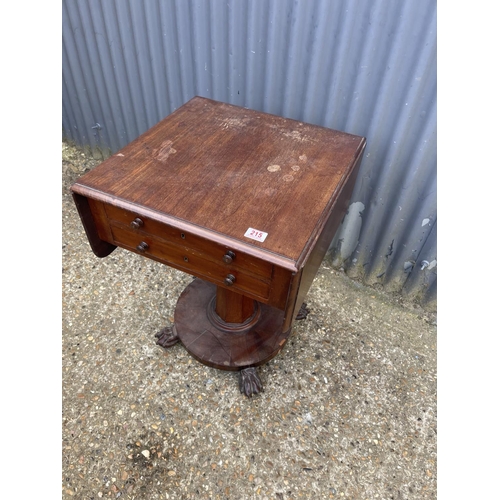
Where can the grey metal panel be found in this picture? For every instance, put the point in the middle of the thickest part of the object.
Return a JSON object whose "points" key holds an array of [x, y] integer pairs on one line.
{"points": [[422, 271], [364, 66]]}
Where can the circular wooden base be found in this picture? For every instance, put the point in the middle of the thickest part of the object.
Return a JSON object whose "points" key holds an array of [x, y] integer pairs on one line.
{"points": [[226, 346]]}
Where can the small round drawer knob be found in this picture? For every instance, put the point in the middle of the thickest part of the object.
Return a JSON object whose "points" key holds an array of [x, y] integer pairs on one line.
{"points": [[228, 257], [142, 246], [230, 279], [136, 223]]}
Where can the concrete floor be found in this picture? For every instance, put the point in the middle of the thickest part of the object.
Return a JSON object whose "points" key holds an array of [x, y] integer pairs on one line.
{"points": [[348, 410]]}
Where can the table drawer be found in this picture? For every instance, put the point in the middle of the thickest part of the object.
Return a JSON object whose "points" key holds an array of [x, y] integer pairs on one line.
{"points": [[188, 260], [206, 248]]}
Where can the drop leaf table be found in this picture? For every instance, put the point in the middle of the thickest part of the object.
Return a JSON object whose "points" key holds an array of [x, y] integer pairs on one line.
{"points": [[246, 202]]}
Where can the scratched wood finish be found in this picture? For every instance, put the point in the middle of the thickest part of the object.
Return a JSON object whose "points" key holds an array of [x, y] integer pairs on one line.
{"points": [[227, 168]]}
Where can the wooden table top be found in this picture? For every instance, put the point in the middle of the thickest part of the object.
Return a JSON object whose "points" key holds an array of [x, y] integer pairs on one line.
{"points": [[227, 169]]}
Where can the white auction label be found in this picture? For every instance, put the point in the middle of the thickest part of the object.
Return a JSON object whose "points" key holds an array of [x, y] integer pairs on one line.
{"points": [[255, 234]]}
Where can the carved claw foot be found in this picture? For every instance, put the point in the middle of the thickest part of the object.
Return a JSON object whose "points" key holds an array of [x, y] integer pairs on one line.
{"points": [[303, 312], [167, 337], [249, 381]]}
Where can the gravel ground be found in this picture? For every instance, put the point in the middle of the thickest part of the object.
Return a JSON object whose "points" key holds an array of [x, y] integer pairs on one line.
{"points": [[348, 410]]}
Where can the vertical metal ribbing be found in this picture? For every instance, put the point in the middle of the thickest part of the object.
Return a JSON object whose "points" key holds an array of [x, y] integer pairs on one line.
{"points": [[301, 45], [187, 50], [368, 68], [219, 72], [70, 121], [237, 38], [277, 35], [116, 71], [102, 128], [255, 55], [159, 95], [144, 65], [201, 47], [71, 76], [133, 91], [323, 58], [173, 81], [345, 62], [102, 65], [398, 157]]}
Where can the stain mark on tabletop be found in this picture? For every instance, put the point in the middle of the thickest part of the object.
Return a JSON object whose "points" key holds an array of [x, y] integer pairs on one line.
{"points": [[274, 168], [234, 122], [303, 157], [299, 136], [164, 151]]}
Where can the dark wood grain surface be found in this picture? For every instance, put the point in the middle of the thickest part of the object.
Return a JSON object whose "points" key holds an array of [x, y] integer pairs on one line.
{"points": [[225, 169], [222, 349]]}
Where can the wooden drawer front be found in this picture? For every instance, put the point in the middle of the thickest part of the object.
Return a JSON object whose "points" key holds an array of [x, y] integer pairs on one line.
{"points": [[190, 261], [205, 248]]}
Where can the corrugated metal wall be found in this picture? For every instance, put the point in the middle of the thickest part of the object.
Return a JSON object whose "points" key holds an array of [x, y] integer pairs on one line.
{"points": [[367, 67]]}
